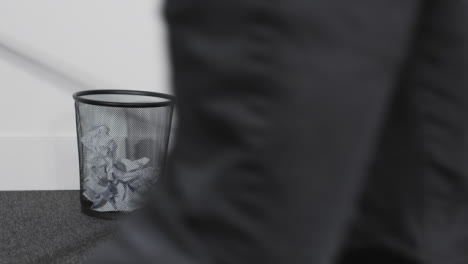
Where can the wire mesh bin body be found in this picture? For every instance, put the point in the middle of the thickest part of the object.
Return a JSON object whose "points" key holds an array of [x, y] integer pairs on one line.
{"points": [[123, 139]]}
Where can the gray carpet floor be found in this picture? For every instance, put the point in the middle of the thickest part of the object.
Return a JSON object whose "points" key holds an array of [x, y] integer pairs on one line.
{"points": [[48, 227]]}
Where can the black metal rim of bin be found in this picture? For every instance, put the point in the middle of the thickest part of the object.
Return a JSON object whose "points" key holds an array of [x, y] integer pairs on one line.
{"points": [[79, 98]]}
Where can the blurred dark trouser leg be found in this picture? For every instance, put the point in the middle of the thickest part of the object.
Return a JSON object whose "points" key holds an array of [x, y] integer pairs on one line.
{"points": [[415, 203], [375, 255], [280, 103]]}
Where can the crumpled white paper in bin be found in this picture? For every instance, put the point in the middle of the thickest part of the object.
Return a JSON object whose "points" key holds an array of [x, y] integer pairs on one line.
{"points": [[111, 183]]}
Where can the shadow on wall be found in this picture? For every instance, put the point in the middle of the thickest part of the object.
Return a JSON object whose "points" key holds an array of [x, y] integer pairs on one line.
{"points": [[38, 64]]}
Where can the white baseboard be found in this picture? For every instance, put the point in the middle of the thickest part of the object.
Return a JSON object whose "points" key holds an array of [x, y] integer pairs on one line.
{"points": [[38, 163]]}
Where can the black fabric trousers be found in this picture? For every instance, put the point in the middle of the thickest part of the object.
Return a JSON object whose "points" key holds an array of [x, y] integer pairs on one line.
{"points": [[326, 131]]}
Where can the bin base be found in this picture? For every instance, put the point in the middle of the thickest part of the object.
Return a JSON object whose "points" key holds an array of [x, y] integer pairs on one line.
{"points": [[104, 215]]}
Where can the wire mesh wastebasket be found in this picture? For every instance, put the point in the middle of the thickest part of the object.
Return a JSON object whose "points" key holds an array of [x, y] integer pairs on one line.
{"points": [[123, 140]]}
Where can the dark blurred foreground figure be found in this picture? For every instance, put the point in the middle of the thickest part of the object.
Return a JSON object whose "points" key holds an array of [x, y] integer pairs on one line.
{"points": [[325, 131]]}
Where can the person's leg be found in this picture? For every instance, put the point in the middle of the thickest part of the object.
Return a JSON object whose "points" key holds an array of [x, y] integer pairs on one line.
{"points": [[416, 201], [280, 103]]}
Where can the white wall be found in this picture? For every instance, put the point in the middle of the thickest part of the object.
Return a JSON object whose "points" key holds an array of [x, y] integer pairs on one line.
{"points": [[108, 43]]}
